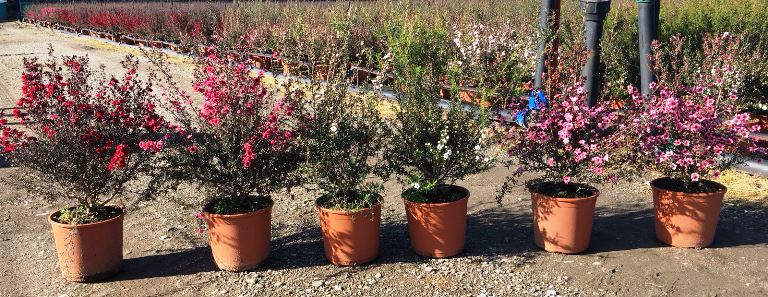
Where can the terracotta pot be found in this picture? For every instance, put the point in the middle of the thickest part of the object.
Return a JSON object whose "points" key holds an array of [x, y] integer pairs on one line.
{"points": [[361, 75], [563, 225], [88, 252], [686, 219], [350, 238], [438, 229], [445, 92], [240, 242], [291, 67], [261, 61], [321, 72], [761, 120]]}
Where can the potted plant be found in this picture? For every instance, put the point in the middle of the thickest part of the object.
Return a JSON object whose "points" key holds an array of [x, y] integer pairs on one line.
{"points": [[239, 146], [689, 132], [430, 149], [86, 135], [570, 146], [343, 143]]}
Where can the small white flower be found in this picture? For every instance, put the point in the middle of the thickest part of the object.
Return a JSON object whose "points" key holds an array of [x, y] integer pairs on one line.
{"points": [[447, 154], [440, 146], [334, 128], [477, 147], [415, 186]]}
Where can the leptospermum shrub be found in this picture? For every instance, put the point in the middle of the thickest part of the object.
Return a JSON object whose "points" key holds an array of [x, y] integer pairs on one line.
{"points": [[240, 144], [497, 59], [568, 143], [433, 147], [87, 134], [344, 143], [692, 127]]}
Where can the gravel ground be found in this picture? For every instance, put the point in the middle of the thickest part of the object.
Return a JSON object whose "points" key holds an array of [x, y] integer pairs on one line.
{"points": [[164, 256]]}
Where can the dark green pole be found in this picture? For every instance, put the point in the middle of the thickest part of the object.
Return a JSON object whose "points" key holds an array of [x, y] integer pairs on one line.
{"points": [[595, 12], [550, 15], [648, 31]]}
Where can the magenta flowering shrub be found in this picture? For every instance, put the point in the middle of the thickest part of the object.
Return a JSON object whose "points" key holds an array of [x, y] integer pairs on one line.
{"points": [[241, 141], [563, 139], [692, 126], [84, 132]]}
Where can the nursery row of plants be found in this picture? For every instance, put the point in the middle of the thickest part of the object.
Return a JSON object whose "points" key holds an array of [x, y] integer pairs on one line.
{"points": [[484, 46], [92, 135]]}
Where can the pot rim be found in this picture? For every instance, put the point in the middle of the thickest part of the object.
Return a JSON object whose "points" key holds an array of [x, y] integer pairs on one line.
{"points": [[722, 189], [593, 196], [239, 215], [70, 226], [460, 188], [345, 212]]}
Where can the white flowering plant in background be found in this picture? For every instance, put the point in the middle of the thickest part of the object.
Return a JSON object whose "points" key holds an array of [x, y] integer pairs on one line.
{"points": [[432, 147], [496, 59]]}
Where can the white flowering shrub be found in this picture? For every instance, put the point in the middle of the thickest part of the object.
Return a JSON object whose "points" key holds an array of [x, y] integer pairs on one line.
{"points": [[432, 147], [495, 59]]}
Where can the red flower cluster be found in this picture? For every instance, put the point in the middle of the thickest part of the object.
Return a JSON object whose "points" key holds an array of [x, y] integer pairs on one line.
{"points": [[62, 107]]}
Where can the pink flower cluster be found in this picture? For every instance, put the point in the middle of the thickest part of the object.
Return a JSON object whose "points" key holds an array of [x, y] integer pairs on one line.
{"points": [[691, 127], [236, 99], [568, 140]]}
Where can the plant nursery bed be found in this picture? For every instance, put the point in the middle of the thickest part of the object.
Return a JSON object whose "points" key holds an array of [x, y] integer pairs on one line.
{"points": [[164, 256]]}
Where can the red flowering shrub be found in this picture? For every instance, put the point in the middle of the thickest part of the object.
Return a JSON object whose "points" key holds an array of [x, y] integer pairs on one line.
{"points": [[692, 126], [82, 130], [241, 142]]}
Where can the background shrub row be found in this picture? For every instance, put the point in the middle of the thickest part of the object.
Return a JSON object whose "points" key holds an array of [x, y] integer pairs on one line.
{"points": [[300, 29]]}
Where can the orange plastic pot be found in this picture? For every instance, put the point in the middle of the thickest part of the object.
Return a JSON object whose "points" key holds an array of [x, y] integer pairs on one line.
{"points": [[437, 230], [563, 225], [350, 238], [88, 252], [686, 219], [240, 242]]}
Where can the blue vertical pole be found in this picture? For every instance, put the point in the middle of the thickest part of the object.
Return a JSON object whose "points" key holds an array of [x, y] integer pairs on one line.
{"points": [[595, 12]]}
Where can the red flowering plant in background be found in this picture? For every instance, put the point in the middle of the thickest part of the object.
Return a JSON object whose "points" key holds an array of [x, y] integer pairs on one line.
{"points": [[85, 133], [565, 141], [692, 126], [240, 144]]}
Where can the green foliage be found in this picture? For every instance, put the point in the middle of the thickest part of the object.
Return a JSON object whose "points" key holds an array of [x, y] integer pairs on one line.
{"points": [[432, 146], [344, 139]]}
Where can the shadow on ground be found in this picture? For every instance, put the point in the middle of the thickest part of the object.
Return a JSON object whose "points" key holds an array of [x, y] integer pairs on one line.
{"points": [[183, 262], [741, 223], [491, 233]]}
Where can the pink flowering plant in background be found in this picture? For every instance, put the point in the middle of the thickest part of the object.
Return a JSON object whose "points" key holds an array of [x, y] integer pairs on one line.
{"points": [[240, 142], [85, 133], [692, 127], [565, 141]]}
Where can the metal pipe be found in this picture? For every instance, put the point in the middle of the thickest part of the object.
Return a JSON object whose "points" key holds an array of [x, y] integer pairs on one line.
{"points": [[648, 31], [594, 18], [550, 15]]}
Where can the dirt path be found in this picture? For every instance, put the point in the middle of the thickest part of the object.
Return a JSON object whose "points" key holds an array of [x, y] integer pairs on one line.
{"points": [[164, 256]]}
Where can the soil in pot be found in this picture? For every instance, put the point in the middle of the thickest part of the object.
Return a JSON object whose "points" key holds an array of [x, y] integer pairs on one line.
{"points": [[91, 251], [350, 237], [437, 222], [686, 215], [239, 232], [563, 215]]}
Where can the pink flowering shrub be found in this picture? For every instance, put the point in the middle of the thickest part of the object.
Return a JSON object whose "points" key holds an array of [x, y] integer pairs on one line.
{"points": [[563, 139], [691, 126], [240, 144], [82, 131]]}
